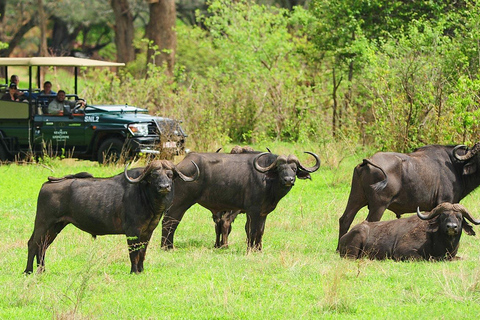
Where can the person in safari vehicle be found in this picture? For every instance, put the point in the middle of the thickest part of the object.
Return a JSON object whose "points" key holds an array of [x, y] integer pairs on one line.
{"points": [[57, 105]]}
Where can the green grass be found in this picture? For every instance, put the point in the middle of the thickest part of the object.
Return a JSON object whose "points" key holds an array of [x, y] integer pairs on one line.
{"points": [[298, 274]]}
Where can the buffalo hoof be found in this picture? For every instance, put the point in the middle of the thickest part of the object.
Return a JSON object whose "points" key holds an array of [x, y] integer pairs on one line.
{"points": [[135, 271]]}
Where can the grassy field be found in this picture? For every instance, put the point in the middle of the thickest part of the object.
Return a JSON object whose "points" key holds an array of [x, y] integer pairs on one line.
{"points": [[298, 274]]}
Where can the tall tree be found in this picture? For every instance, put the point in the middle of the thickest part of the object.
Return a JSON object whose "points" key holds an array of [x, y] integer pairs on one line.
{"points": [[42, 24], [62, 36], [161, 32], [16, 19], [124, 30], [87, 30]]}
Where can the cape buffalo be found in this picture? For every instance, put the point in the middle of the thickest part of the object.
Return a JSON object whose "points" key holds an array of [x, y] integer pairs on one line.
{"points": [[100, 206], [400, 182], [435, 235], [223, 219], [247, 182]]}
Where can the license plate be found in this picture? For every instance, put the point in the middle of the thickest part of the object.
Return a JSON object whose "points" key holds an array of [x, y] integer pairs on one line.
{"points": [[170, 144]]}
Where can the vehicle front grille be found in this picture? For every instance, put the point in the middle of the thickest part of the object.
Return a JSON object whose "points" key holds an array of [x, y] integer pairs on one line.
{"points": [[152, 129]]}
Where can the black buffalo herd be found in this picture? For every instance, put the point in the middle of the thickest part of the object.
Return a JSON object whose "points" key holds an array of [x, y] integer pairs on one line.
{"points": [[432, 179]]}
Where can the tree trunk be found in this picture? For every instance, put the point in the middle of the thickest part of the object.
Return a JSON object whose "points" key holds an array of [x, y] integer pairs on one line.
{"points": [[62, 39], [348, 96], [17, 37], [161, 32], [3, 9], [42, 24], [124, 30], [336, 84]]}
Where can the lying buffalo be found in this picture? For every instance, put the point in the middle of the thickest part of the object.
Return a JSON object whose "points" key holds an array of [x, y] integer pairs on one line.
{"points": [[247, 182], [400, 182], [435, 235], [100, 206]]}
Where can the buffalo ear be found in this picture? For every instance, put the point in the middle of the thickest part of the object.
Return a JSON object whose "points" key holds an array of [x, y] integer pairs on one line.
{"points": [[468, 228], [303, 174], [470, 168]]}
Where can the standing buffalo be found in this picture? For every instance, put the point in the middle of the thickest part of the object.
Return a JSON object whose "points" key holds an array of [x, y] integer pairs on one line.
{"points": [[100, 206], [434, 236], [247, 182], [223, 226], [400, 182], [223, 219]]}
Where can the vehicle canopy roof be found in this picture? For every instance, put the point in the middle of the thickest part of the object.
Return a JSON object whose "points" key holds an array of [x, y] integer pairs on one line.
{"points": [[58, 62], [54, 62]]}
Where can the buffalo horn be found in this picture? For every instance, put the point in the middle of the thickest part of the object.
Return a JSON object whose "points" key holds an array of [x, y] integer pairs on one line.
{"points": [[311, 169], [466, 214], [435, 212], [186, 178], [470, 153], [147, 170], [264, 169]]}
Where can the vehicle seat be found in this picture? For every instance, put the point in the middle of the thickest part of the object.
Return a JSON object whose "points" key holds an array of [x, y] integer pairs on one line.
{"points": [[42, 103]]}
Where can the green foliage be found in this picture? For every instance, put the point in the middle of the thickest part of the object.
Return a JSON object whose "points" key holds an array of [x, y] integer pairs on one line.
{"points": [[195, 52], [255, 83], [402, 62], [400, 78], [244, 79], [410, 98], [464, 102], [404, 88]]}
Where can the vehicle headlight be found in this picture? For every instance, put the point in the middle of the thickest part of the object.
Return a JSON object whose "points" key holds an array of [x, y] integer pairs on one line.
{"points": [[138, 129]]}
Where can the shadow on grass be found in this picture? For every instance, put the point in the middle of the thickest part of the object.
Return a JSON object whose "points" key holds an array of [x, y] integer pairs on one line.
{"points": [[208, 245]]}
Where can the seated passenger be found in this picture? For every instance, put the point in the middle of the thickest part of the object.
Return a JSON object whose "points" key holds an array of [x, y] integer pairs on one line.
{"points": [[14, 79], [45, 96], [12, 94], [47, 89], [56, 106]]}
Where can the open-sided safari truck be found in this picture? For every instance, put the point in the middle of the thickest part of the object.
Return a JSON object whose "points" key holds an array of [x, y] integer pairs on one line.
{"points": [[94, 132]]}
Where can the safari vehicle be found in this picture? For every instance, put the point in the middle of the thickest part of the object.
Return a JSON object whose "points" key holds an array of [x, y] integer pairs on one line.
{"points": [[94, 132]]}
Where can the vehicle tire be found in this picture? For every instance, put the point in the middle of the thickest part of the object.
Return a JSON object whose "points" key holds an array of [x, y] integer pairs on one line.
{"points": [[111, 150], [3, 154]]}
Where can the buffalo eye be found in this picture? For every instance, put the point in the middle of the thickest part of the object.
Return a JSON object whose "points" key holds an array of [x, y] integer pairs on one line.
{"points": [[170, 174]]}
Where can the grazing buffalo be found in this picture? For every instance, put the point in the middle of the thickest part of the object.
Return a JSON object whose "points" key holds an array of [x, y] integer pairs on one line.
{"points": [[435, 235], [100, 206], [247, 182], [400, 182]]}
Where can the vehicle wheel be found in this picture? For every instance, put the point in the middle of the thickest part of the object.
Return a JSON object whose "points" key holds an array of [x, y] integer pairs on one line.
{"points": [[3, 154], [110, 151]]}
